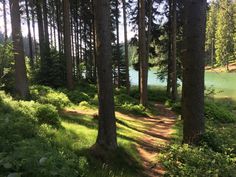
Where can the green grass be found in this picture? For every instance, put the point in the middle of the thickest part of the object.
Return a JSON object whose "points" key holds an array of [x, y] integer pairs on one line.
{"points": [[31, 146]]}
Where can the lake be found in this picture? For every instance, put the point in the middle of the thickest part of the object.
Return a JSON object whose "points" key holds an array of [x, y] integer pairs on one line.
{"points": [[223, 83]]}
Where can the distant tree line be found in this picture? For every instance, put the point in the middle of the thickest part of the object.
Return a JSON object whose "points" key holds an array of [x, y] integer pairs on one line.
{"points": [[221, 32]]}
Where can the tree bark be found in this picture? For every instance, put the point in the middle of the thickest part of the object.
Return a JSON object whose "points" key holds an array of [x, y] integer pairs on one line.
{"points": [[193, 71], [168, 89], [173, 51], [41, 32], [21, 81], [118, 44], [107, 122], [29, 35], [143, 54], [126, 48], [45, 23], [67, 43], [5, 20]]}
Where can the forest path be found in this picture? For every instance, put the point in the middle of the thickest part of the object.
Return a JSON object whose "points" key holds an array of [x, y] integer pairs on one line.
{"points": [[156, 133]]}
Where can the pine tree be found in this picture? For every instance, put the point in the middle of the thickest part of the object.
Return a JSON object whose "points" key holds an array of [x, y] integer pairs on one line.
{"points": [[211, 31], [143, 54], [193, 72], [107, 123], [224, 33], [21, 81]]}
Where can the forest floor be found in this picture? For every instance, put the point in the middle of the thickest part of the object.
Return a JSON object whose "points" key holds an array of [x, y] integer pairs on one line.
{"points": [[154, 134], [37, 141]]}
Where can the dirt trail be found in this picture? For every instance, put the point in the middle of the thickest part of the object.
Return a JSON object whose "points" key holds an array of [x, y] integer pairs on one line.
{"points": [[157, 132], [157, 135]]}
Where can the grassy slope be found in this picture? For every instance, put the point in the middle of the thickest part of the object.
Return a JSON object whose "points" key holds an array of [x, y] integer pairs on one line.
{"points": [[43, 151]]}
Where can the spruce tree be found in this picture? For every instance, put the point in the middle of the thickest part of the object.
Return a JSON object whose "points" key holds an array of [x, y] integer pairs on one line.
{"points": [[211, 32], [224, 33]]}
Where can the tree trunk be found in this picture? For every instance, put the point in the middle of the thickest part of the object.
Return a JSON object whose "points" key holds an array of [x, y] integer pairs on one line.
{"points": [[168, 89], [21, 82], [143, 54], [5, 20], [67, 43], [107, 122], [193, 72], [32, 5], [45, 22], [41, 32], [173, 51], [29, 35], [126, 48], [118, 44], [5, 39]]}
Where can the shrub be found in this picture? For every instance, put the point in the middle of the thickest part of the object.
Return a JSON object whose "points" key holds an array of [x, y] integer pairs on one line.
{"points": [[135, 109], [154, 94], [76, 96], [28, 149], [47, 95], [218, 113], [85, 104], [124, 99], [175, 106], [47, 114], [196, 161]]}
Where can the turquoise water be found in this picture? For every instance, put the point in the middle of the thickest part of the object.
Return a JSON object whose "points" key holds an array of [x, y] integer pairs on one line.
{"points": [[223, 83]]}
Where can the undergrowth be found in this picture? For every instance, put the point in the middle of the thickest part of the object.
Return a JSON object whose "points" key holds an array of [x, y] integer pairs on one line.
{"points": [[216, 154]]}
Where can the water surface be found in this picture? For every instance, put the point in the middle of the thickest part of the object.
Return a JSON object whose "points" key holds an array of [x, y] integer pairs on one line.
{"points": [[223, 83]]}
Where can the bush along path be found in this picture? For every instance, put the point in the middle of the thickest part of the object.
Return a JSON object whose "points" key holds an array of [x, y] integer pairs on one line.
{"points": [[153, 133]]}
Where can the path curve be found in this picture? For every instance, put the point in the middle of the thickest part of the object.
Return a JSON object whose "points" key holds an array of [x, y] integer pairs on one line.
{"points": [[157, 132]]}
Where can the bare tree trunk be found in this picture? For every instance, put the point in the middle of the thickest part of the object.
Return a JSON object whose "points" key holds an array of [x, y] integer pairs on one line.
{"points": [[5, 20], [32, 4], [126, 48], [168, 90], [45, 23], [107, 122], [21, 81], [5, 39], [118, 44], [41, 32], [173, 51], [29, 35], [193, 72], [143, 54], [67, 43]]}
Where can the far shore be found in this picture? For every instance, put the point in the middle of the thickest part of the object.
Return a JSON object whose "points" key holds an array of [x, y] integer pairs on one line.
{"points": [[222, 69]]}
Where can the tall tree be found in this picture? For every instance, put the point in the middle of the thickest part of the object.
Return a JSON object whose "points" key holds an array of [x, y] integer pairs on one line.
{"points": [[107, 122], [173, 50], [29, 33], [224, 33], [41, 32], [193, 71], [211, 31], [126, 47], [143, 54], [5, 20], [117, 14], [67, 43], [21, 82]]}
